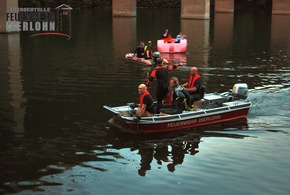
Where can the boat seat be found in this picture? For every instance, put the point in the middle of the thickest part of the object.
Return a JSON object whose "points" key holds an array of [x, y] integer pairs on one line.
{"points": [[199, 97]]}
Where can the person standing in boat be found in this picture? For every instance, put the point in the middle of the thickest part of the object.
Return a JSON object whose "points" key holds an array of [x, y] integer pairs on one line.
{"points": [[178, 96], [145, 107], [194, 84], [166, 36], [156, 55], [161, 73]]}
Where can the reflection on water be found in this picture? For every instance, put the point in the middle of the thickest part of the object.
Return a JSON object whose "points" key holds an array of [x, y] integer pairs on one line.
{"points": [[170, 149], [54, 134], [16, 86], [13, 95], [170, 155], [197, 32], [175, 58], [124, 35], [280, 34]]}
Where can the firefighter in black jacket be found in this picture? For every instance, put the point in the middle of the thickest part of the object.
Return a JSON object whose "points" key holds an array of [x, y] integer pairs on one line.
{"points": [[161, 73]]}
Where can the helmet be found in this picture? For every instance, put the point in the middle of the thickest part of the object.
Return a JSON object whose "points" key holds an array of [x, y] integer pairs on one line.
{"points": [[156, 54], [159, 61]]}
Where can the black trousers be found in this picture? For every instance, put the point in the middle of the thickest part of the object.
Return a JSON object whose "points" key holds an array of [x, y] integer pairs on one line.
{"points": [[194, 97], [161, 92]]}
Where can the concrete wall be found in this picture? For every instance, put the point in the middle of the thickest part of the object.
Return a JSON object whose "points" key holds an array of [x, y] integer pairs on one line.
{"points": [[121, 8], [226, 6], [195, 9], [280, 6]]}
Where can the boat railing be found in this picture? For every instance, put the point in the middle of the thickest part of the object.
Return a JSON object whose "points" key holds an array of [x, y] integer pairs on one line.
{"points": [[240, 106], [166, 117], [227, 106], [159, 117], [217, 110]]}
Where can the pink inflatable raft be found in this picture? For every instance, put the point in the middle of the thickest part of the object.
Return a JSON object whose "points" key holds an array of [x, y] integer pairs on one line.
{"points": [[172, 47]]}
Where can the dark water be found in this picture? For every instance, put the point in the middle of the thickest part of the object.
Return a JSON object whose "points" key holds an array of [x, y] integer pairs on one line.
{"points": [[55, 137]]}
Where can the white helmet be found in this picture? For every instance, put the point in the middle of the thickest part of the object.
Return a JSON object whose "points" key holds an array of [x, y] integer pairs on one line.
{"points": [[156, 54]]}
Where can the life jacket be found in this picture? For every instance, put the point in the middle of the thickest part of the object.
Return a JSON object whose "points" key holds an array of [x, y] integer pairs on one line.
{"points": [[150, 51], [192, 80], [162, 74], [167, 39], [142, 97]]}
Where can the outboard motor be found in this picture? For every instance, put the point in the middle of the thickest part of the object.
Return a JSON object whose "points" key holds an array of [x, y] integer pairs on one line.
{"points": [[240, 90]]}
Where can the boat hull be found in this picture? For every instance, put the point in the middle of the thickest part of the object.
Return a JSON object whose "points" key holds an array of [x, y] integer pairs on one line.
{"points": [[185, 120], [172, 47]]}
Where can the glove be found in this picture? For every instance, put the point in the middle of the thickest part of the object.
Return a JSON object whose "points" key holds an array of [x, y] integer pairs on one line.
{"points": [[148, 84]]}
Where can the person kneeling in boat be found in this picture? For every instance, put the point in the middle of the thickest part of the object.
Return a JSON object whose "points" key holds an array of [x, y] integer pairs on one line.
{"points": [[145, 107], [139, 54], [179, 37], [179, 95], [148, 50], [140, 51]]}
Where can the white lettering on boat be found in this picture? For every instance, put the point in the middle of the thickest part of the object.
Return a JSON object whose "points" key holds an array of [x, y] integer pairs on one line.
{"points": [[182, 123], [193, 121], [209, 118]]}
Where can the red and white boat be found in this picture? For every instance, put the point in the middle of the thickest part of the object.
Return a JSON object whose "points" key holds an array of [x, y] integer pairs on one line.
{"points": [[131, 57], [169, 59], [172, 47], [213, 108]]}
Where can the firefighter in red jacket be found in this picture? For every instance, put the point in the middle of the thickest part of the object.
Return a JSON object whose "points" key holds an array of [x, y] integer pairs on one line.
{"points": [[193, 85], [145, 107]]}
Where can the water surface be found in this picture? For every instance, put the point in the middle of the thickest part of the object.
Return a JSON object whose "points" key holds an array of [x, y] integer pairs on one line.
{"points": [[55, 136]]}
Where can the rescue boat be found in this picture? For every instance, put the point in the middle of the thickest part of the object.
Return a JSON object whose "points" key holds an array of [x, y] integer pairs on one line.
{"points": [[171, 58], [172, 47], [131, 57], [212, 108]]}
